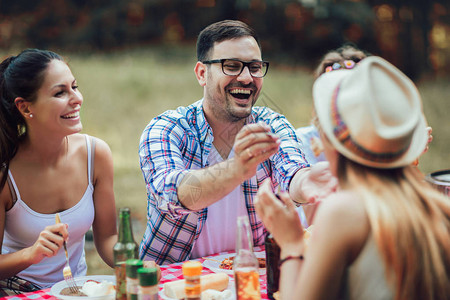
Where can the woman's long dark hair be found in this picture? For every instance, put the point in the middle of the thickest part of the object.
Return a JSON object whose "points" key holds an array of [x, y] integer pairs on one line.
{"points": [[20, 76]]}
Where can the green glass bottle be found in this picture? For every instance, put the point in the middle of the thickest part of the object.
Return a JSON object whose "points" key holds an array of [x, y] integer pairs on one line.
{"points": [[125, 248]]}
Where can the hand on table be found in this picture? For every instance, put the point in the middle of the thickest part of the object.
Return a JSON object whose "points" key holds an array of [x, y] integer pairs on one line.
{"points": [[254, 144], [280, 218]]}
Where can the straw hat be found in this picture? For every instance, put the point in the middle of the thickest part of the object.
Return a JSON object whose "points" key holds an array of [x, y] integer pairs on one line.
{"points": [[372, 114]]}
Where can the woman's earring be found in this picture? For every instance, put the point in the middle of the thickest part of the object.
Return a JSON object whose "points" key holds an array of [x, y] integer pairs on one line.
{"points": [[31, 115]]}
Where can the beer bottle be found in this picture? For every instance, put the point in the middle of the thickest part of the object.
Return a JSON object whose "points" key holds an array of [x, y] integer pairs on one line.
{"points": [[245, 264], [272, 268], [125, 248]]}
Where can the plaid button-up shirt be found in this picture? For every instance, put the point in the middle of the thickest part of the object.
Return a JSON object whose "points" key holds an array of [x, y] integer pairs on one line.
{"points": [[180, 140]]}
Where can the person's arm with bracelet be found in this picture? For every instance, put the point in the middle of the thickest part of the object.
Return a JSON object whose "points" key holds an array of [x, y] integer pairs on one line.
{"points": [[334, 245]]}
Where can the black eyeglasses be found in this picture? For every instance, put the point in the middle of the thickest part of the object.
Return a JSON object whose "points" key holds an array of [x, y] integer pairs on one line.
{"points": [[234, 67]]}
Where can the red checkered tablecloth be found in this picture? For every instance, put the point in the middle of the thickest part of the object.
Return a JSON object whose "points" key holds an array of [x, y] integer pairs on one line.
{"points": [[168, 273]]}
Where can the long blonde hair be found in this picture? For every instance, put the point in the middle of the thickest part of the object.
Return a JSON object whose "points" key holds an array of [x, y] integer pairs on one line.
{"points": [[410, 222]]}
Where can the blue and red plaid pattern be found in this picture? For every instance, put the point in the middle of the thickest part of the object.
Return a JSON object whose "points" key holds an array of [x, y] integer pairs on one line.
{"points": [[15, 286], [180, 140]]}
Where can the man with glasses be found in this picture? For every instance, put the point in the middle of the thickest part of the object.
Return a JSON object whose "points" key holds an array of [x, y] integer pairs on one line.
{"points": [[203, 164]]}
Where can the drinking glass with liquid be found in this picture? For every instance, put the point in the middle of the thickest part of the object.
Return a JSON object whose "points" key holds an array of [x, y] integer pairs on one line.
{"points": [[245, 264]]}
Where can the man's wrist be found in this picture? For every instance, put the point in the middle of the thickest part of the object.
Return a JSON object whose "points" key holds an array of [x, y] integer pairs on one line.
{"points": [[237, 170]]}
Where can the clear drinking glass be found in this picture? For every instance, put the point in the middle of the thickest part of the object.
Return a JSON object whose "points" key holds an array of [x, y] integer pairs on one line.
{"points": [[245, 264]]}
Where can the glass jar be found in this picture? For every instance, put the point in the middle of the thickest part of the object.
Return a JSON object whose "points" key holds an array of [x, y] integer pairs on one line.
{"points": [[132, 266], [191, 273], [245, 264], [148, 284]]}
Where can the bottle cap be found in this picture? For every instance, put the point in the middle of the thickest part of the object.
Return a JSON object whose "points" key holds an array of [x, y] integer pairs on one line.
{"points": [[147, 276], [132, 265], [125, 210], [192, 268]]}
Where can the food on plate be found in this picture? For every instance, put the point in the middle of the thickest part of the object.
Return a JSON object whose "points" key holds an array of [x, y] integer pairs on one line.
{"points": [[215, 295], [227, 263], [217, 281], [91, 288], [67, 292]]}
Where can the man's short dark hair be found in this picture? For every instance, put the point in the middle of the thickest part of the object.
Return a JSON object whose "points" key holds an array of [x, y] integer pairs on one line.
{"points": [[221, 31]]}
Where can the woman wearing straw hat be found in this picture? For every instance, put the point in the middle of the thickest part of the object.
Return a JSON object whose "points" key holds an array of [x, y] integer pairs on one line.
{"points": [[386, 233]]}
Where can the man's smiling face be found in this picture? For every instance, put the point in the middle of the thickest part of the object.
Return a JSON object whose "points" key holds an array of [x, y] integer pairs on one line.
{"points": [[230, 98]]}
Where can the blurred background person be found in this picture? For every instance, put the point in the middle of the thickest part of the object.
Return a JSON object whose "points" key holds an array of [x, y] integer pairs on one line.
{"points": [[345, 57]]}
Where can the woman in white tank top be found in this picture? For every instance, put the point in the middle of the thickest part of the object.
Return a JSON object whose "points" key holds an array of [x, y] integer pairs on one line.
{"points": [[48, 167]]}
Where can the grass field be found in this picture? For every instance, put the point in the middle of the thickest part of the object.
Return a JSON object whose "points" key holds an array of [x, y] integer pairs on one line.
{"points": [[124, 91]]}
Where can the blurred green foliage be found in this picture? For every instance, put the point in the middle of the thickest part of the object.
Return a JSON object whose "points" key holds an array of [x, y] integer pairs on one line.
{"points": [[407, 33]]}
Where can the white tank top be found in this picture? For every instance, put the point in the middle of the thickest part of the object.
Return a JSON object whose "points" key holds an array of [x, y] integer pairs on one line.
{"points": [[23, 225]]}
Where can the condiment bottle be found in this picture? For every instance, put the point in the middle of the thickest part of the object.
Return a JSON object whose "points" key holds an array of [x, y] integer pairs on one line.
{"points": [[191, 273], [125, 248], [272, 268], [245, 264], [148, 284], [132, 266]]}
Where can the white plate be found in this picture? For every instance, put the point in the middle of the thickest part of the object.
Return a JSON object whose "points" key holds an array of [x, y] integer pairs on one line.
{"points": [[213, 265], [230, 287], [58, 287]]}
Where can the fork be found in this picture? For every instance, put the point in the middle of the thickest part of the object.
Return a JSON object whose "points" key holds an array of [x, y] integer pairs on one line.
{"points": [[67, 272]]}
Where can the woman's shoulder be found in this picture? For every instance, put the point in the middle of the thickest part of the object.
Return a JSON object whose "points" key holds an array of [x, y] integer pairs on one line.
{"points": [[344, 205], [79, 140], [343, 213], [102, 152]]}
